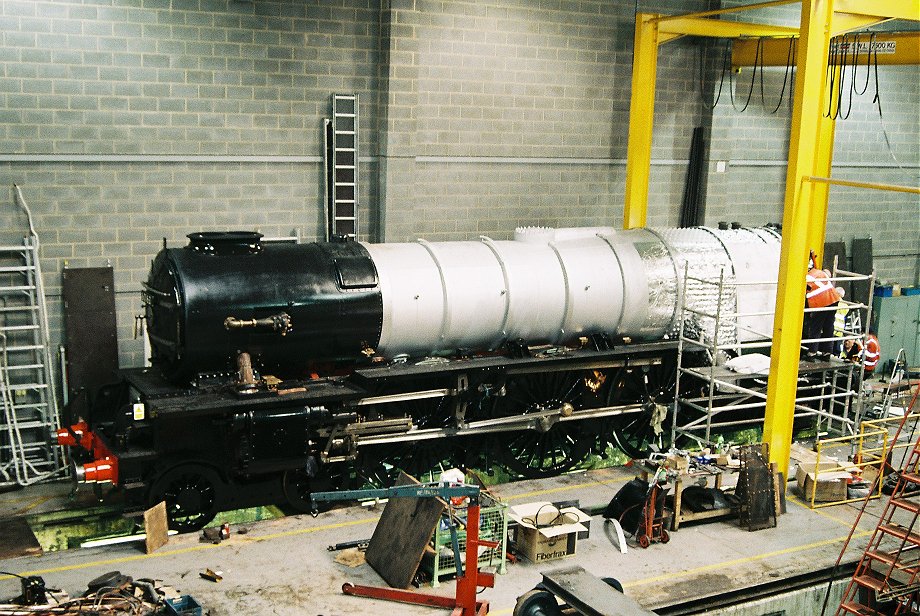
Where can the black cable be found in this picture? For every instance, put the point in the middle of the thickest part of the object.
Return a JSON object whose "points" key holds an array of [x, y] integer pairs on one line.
{"points": [[843, 73], [868, 63], [731, 90], [555, 521], [702, 57], [831, 81], [790, 63], [873, 49], [795, 54]]}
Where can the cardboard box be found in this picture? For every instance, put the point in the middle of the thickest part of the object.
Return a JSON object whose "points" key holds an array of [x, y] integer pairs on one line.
{"points": [[827, 486], [679, 463], [546, 533], [808, 459]]}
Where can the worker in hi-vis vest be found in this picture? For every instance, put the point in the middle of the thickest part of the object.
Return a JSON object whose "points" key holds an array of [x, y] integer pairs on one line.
{"points": [[871, 353], [840, 323], [820, 293]]}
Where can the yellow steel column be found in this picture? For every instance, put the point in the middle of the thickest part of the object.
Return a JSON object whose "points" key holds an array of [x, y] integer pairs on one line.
{"points": [[824, 156], [790, 296], [641, 117]]}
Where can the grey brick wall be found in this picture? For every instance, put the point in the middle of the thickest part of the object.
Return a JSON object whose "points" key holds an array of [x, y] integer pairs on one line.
{"points": [[179, 79], [476, 118], [754, 143]]}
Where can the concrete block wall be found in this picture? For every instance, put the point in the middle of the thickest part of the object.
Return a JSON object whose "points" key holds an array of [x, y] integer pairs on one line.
{"points": [[521, 117], [754, 145], [133, 121]]}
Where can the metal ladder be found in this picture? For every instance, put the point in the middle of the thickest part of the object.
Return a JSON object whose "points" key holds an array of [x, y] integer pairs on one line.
{"points": [[887, 578], [27, 394], [341, 166]]}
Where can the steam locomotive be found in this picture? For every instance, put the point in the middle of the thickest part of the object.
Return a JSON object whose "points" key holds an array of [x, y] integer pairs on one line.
{"points": [[281, 368]]}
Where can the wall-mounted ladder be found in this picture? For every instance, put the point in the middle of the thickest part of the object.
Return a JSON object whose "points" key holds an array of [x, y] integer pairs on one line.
{"points": [[341, 167], [887, 578], [27, 395]]}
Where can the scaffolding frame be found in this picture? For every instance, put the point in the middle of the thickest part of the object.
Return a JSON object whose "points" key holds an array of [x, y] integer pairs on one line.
{"points": [[836, 401]]}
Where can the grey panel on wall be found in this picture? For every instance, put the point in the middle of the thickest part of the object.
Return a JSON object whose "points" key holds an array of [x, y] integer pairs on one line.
{"points": [[89, 331], [861, 249]]}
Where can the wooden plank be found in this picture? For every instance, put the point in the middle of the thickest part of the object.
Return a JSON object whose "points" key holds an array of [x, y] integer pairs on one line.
{"points": [[17, 539], [403, 532], [156, 527]]}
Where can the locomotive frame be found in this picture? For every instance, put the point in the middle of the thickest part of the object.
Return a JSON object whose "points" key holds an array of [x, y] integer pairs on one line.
{"points": [[218, 444]]}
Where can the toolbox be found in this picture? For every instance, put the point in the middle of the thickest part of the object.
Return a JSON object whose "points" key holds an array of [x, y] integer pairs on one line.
{"points": [[183, 606]]}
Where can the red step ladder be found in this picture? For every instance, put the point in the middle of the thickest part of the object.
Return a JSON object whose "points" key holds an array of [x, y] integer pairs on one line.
{"points": [[887, 578]]}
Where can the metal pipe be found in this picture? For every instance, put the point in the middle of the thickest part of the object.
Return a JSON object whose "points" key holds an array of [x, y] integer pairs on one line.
{"points": [[872, 185]]}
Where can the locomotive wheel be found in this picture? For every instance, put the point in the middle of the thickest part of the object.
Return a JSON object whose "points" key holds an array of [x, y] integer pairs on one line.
{"points": [[633, 433], [192, 493], [531, 453], [537, 602], [296, 486]]}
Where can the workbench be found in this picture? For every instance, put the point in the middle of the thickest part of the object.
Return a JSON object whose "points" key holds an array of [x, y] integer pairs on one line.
{"points": [[691, 478]]}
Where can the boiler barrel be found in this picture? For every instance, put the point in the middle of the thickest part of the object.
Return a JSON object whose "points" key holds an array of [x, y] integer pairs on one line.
{"points": [[288, 305]]}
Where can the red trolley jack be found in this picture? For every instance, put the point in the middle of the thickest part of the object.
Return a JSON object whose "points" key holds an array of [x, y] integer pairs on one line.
{"points": [[469, 578]]}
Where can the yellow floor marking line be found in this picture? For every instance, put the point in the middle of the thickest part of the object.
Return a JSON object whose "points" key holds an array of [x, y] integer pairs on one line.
{"points": [[22, 499], [303, 531], [194, 548], [33, 505], [739, 561], [820, 511], [563, 489]]}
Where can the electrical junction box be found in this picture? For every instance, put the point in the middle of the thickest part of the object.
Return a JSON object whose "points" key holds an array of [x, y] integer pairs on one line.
{"points": [[897, 325]]}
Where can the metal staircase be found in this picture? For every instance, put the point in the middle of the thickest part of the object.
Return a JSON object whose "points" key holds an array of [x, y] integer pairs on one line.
{"points": [[887, 578], [341, 165], [27, 394]]}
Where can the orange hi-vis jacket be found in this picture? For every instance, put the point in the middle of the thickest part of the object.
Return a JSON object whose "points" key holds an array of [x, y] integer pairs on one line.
{"points": [[819, 292], [871, 353]]}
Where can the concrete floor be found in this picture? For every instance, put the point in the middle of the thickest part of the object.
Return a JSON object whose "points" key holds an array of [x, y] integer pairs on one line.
{"points": [[283, 567]]}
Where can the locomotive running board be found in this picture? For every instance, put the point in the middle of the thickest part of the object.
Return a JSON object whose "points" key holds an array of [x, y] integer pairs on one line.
{"points": [[414, 395], [531, 421]]}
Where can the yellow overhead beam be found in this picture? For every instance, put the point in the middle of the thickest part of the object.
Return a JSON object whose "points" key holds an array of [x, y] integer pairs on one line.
{"points": [[848, 22], [887, 9], [718, 28], [895, 48], [804, 140], [733, 9], [641, 118]]}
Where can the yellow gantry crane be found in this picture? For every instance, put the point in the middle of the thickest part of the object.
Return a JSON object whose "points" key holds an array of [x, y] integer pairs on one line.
{"points": [[810, 152]]}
